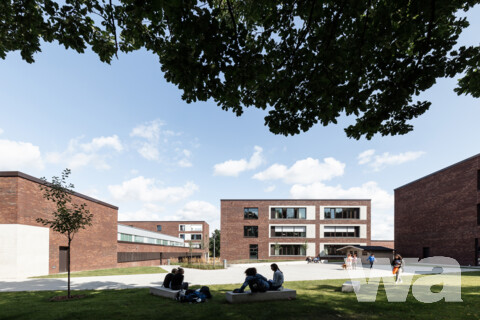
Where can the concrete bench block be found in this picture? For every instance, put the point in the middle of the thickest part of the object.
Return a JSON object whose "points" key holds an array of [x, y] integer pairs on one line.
{"points": [[164, 292], [247, 296], [351, 286]]}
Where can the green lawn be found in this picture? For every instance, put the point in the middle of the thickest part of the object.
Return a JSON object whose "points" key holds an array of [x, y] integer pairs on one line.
{"points": [[108, 272], [202, 266], [316, 299]]}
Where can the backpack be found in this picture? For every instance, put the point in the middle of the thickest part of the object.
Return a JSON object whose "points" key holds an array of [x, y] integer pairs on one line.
{"points": [[206, 291], [192, 296]]}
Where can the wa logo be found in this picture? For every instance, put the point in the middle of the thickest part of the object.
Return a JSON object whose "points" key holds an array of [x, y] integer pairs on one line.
{"points": [[447, 276]]}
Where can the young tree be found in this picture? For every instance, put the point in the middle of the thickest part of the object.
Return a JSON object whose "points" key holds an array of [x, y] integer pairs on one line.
{"points": [[305, 62], [68, 217], [216, 236]]}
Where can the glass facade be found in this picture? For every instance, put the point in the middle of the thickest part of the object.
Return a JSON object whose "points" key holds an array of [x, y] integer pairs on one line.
{"points": [[342, 213], [288, 232], [287, 250], [133, 238], [341, 232], [288, 213], [250, 213]]}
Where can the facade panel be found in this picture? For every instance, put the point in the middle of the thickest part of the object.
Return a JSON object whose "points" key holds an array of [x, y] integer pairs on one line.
{"points": [[284, 230]]}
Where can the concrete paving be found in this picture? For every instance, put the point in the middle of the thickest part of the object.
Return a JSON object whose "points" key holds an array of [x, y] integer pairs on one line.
{"points": [[293, 271]]}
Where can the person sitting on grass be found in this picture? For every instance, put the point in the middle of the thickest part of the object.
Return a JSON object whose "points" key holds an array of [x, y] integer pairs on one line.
{"points": [[177, 281], [255, 281], [277, 281], [168, 278]]}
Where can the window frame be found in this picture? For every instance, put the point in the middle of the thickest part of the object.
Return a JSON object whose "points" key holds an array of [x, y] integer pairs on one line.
{"points": [[245, 217], [245, 231]]}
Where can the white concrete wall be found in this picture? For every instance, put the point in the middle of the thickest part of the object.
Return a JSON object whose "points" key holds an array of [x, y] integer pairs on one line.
{"points": [[363, 211], [310, 248], [310, 229], [24, 251], [310, 210], [363, 229]]}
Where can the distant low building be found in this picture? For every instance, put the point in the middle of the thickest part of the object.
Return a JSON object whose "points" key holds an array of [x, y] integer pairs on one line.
{"points": [[28, 248], [363, 252]]}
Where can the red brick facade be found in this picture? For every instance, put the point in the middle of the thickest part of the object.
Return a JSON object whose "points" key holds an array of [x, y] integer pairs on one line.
{"points": [[383, 243], [234, 246], [22, 202], [172, 228], [437, 214]]}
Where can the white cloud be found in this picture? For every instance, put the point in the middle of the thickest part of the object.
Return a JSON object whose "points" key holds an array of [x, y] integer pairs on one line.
{"points": [[233, 168], [94, 153], [184, 156], [365, 156], [198, 210], [143, 189], [149, 212], [155, 143], [150, 130], [19, 156], [378, 162], [269, 189], [382, 202], [304, 171], [103, 142]]}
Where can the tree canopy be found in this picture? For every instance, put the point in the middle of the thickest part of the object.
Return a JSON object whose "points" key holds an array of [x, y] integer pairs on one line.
{"points": [[303, 62]]}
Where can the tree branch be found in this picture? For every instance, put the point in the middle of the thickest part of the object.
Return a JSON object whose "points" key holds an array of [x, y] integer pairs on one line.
{"points": [[233, 20]]}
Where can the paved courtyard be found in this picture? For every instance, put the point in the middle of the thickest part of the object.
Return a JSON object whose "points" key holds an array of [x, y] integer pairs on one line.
{"points": [[293, 271]]}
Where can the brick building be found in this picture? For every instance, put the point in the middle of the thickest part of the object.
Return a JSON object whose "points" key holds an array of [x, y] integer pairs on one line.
{"points": [[194, 232], [28, 248], [292, 229], [439, 214]]}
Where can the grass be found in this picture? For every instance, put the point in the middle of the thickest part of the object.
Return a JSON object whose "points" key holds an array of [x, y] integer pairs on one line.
{"points": [[108, 272], [202, 266], [315, 299]]}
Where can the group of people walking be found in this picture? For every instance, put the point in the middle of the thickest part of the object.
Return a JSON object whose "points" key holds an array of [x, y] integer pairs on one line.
{"points": [[351, 262]]}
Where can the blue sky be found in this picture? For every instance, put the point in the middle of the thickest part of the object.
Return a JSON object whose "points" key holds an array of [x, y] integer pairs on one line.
{"points": [[131, 141]]}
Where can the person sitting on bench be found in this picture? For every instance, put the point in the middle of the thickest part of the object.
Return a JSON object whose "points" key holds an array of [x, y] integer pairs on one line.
{"points": [[277, 281], [168, 278], [177, 281], [255, 281]]}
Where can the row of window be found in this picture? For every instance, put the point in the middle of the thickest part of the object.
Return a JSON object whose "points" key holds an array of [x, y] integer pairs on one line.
{"points": [[288, 250], [183, 227], [301, 232], [301, 213], [192, 236], [140, 239]]}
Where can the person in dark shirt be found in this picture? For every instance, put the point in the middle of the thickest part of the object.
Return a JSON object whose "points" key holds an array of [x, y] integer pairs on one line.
{"points": [[177, 281], [168, 278]]}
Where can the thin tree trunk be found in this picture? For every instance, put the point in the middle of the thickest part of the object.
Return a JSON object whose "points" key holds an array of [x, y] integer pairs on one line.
{"points": [[68, 266]]}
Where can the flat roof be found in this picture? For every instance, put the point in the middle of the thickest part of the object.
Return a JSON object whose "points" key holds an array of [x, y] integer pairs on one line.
{"points": [[295, 199], [18, 174], [438, 171]]}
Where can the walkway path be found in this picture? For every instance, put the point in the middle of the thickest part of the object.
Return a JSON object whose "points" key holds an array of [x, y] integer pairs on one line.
{"points": [[294, 271]]}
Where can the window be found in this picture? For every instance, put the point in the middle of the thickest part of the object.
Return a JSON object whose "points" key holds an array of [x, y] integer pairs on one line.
{"points": [[182, 236], [159, 228], [341, 232], [478, 214], [196, 237], [254, 251], [478, 180], [250, 231], [285, 231], [288, 213], [126, 237], [342, 213], [250, 213], [287, 250], [181, 227]]}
